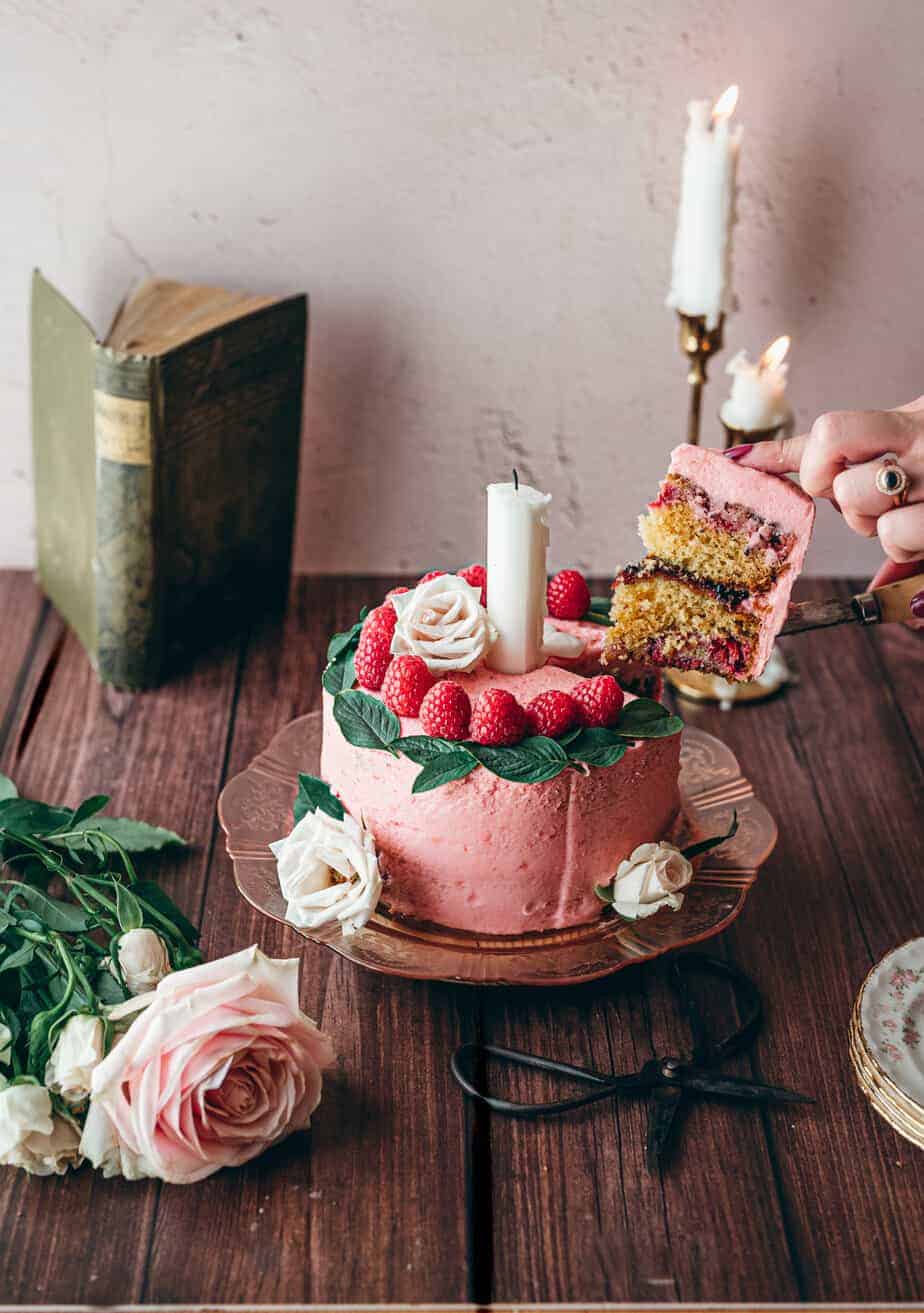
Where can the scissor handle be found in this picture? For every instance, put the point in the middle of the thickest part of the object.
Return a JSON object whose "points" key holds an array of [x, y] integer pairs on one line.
{"points": [[750, 1006], [606, 1086]]}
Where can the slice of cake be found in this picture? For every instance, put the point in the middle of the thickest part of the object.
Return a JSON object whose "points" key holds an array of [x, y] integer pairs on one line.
{"points": [[725, 545]]}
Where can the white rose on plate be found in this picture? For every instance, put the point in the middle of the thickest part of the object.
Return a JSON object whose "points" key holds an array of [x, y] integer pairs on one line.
{"points": [[443, 622], [77, 1050], [651, 878], [328, 871], [34, 1137]]}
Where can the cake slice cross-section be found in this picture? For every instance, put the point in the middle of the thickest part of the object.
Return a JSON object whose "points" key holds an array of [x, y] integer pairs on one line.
{"points": [[725, 545]]}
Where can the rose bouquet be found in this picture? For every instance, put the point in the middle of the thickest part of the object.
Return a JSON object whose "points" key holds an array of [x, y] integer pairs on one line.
{"points": [[118, 1045]]}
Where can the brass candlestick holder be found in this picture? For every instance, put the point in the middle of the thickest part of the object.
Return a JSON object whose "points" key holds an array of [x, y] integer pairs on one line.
{"points": [[734, 436], [698, 343]]}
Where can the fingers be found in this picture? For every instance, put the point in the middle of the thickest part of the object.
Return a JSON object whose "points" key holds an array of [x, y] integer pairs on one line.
{"points": [[860, 501], [784, 457], [901, 533], [846, 437]]}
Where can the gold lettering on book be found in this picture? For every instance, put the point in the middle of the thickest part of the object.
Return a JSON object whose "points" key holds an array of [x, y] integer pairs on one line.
{"points": [[123, 429]]}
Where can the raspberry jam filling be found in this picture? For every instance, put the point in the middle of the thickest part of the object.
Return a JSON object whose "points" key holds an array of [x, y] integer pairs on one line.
{"points": [[728, 517], [727, 594], [723, 656]]}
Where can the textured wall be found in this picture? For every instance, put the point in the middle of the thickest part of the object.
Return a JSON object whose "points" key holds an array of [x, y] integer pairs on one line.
{"points": [[480, 197]]}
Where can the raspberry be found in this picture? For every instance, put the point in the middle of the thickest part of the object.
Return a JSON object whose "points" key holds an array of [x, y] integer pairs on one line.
{"points": [[406, 683], [552, 713], [382, 617], [393, 591], [498, 720], [599, 701], [373, 656], [445, 711], [432, 574], [567, 595], [477, 576]]}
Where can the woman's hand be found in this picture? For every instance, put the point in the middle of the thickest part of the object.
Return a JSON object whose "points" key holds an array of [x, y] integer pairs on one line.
{"points": [[839, 460]]}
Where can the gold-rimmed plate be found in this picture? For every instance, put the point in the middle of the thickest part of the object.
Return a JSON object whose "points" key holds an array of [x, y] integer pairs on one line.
{"points": [[256, 807]]}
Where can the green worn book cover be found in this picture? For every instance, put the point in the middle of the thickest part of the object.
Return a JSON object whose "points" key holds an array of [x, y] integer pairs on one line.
{"points": [[166, 461]]}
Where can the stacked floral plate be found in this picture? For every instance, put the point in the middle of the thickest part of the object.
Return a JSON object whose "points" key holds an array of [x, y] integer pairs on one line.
{"points": [[887, 1039]]}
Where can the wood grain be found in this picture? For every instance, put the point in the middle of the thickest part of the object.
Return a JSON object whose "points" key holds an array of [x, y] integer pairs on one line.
{"points": [[402, 1193]]}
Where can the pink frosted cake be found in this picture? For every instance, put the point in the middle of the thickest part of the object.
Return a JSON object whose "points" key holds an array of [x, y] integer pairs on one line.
{"points": [[495, 802], [725, 545]]}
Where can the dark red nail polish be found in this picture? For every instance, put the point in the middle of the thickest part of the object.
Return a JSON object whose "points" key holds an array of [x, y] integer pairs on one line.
{"points": [[917, 605], [735, 453]]}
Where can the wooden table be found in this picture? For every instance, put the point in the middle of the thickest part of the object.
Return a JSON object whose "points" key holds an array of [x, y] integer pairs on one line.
{"points": [[401, 1193]]}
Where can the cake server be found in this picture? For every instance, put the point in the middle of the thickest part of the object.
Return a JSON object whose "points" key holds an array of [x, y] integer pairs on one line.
{"points": [[889, 604]]}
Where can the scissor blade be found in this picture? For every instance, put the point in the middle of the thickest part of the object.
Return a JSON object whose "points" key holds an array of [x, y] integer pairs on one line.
{"points": [[736, 1087], [662, 1113]]}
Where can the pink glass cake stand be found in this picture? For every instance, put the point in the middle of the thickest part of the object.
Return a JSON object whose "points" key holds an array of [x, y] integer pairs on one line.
{"points": [[256, 807]]}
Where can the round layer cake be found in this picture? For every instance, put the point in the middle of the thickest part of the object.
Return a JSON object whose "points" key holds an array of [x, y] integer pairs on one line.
{"points": [[487, 855]]}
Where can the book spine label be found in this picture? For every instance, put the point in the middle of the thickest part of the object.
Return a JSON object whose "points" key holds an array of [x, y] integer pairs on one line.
{"points": [[124, 565]]}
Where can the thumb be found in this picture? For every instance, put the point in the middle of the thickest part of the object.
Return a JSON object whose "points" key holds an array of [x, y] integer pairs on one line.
{"points": [[776, 457]]}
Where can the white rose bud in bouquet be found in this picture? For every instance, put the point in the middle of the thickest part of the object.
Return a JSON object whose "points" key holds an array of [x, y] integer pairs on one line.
{"points": [[328, 871], [32, 1136], [77, 1050], [6, 1044], [143, 960], [651, 878], [443, 622]]}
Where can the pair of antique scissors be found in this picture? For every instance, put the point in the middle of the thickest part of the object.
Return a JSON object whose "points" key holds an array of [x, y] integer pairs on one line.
{"points": [[667, 1081]]}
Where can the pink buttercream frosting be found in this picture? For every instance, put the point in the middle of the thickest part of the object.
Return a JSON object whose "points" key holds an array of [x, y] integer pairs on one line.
{"points": [[773, 498], [486, 855]]}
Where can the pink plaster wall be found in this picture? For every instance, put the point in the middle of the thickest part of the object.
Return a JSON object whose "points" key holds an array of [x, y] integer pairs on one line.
{"points": [[480, 196]]}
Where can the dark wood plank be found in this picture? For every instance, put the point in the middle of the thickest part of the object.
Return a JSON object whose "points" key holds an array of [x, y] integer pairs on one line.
{"points": [[372, 1207], [24, 611], [160, 756], [833, 760]]}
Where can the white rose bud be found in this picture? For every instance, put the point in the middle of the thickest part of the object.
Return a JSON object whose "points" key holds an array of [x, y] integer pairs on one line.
{"points": [[78, 1048], [6, 1043], [143, 960], [32, 1136], [443, 622], [651, 878]]}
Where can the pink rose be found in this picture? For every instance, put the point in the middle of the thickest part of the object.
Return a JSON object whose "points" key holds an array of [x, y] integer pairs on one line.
{"points": [[220, 1064]]}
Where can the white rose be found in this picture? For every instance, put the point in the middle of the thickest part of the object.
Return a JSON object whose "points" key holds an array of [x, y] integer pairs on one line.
{"points": [[32, 1136], [649, 879], [78, 1048], [101, 1146], [143, 960], [328, 870], [6, 1043], [444, 622]]}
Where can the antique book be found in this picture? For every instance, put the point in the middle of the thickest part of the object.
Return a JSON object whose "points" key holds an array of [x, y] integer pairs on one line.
{"points": [[166, 461]]}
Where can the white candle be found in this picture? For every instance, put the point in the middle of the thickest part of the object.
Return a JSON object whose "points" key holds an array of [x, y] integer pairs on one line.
{"points": [[701, 282], [518, 539], [758, 392]]}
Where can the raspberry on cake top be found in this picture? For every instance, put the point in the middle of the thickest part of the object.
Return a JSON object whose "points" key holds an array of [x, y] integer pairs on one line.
{"points": [[725, 545]]}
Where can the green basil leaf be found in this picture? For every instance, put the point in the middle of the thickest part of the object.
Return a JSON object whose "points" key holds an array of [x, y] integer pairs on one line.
{"points": [[134, 836], [341, 643], [597, 747], [89, 807], [149, 892], [314, 795], [7, 788], [57, 915], [704, 845], [20, 957], [422, 749], [533, 761], [340, 675], [128, 909], [444, 768], [643, 718], [365, 722]]}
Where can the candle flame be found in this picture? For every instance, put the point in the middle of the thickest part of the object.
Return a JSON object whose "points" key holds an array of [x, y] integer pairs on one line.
{"points": [[724, 107], [775, 353]]}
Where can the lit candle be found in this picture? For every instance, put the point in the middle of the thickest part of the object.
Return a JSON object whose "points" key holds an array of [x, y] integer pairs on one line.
{"points": [[518, 539], [701, 282], [758, 392]]}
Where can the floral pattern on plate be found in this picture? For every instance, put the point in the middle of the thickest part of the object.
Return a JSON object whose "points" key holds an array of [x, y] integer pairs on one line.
{"points": [[892, 1018]]}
